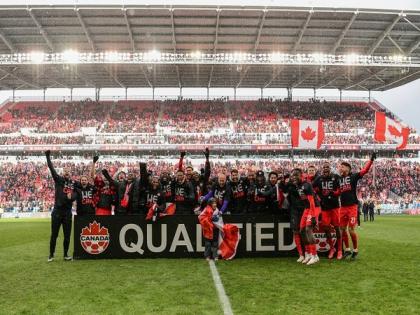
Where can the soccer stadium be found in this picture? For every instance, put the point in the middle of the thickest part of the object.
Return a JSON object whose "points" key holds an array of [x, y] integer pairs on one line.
{"points": [[209, 158]]}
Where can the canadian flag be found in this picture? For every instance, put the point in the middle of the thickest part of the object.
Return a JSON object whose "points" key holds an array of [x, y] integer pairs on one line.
{"points": [[229, 233], [387, 129], [307, 134]]}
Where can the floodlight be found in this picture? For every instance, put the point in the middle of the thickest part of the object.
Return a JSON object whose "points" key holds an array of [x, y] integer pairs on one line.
{"points": [[70, 56], [36, 57]]}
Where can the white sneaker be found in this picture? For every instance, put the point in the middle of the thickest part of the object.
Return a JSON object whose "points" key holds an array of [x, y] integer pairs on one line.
{"points": [[312, 261], [317, 258], [307, 258], [50, 258], [68, 258], [301, 258]]}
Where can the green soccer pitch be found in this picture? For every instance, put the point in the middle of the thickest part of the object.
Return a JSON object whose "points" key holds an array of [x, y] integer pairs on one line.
{"points": [[384, 279]]}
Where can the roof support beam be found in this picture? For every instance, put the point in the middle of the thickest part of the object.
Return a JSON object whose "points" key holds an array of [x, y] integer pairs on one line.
{"points": [[41, 30], [326, 84], [146, 76], [257, 42], [413, 46], [7, 42], [216, 37], [85, 29], [276, 73], [395, 44], [20, 79], [384, 34], [171, 10], [363, 79], [302, 31], [130, 32], [93, 46], [391, 83], [133, 44], [343, 33]]}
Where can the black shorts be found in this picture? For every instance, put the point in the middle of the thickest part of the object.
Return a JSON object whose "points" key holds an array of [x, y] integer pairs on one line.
{"points": [[295, 217]]}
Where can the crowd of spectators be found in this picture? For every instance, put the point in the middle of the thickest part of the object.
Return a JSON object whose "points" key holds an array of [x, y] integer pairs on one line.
{"points": [[186, 122], [27, 184], [194, 116], [132, 117]]}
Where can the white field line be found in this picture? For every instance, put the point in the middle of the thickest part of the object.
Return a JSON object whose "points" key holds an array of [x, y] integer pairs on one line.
{"points": [[224, 300]]}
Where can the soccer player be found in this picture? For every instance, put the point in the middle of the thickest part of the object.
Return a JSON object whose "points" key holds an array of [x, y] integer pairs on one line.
{"points": [[61, 214], [349, 203], [259, 194], [166, 184], [154, 196], [221, 192], [302, 220], [106, 194], [239, 188], [327, 186], [183, 194], [85, 192], [128, 191], [200, 182], [311, 175], [277, 195]]}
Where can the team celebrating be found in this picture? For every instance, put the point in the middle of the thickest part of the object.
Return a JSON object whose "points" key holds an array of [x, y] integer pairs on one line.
{"points": [[312, 200]]}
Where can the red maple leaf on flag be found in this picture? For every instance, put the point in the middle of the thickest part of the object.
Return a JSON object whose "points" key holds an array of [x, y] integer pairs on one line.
{"points": [[394, 131], [308, 134]]}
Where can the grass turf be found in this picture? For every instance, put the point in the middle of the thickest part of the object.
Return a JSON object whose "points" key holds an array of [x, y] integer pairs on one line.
{"points": [[384, 280]]}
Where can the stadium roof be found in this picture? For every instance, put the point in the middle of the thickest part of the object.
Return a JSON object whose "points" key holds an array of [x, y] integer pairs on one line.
{"points": [[208, 29]]}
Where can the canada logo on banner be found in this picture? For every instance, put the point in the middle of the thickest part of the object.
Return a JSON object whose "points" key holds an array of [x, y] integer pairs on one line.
{"points": [[387, 129], [94, 239], [307, 134]]}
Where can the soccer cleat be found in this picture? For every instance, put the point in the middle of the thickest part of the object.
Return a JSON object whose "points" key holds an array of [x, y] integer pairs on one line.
{"points": [[339, 255], [331, 253], [313, 260], [307, 258], [301, 258], [50, 258], [354, 255], [68, 258], [346, 254]]}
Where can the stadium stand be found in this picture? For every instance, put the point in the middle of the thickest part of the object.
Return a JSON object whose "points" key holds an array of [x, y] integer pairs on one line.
{"points": [[182, 122]]}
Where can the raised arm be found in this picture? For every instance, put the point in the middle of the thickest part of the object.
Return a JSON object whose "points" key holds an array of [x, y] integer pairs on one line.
{"points": [[143, 174], [368, 165], [181, 160], [50, 165], [108, 177], [207, 166], [92, 169]]}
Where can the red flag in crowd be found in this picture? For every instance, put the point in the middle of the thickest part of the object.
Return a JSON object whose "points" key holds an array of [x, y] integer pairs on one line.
{"points": [[387, 129], [307, 134]]}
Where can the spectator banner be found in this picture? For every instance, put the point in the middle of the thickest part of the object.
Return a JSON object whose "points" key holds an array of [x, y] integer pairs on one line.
{"points": [[99, 237]]}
